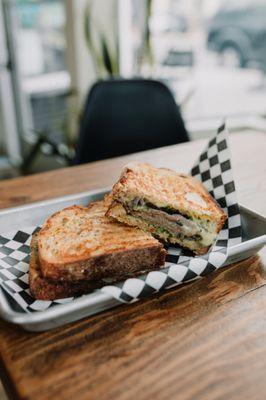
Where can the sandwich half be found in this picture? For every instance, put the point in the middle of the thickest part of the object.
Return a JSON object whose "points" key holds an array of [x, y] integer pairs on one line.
{"points": [[47, 289], [79, 248], [174, 207]]}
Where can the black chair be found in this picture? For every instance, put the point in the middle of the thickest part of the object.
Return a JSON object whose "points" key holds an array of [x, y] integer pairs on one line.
{"points": [[127, 116]]}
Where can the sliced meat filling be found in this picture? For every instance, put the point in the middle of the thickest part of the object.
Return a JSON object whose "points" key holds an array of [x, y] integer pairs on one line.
{"points": [[175, 224]]}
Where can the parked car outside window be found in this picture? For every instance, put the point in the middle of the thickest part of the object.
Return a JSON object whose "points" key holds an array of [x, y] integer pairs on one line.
{"points": [[237, 32]]}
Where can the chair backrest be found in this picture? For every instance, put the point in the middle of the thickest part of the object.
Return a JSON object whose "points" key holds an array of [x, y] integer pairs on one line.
{"points": [[127, 116]]}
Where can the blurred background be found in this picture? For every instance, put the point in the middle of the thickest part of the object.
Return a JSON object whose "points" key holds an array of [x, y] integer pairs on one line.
{"points": [[211, 55]]}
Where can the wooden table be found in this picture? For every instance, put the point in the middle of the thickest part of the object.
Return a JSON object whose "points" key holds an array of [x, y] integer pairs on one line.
{"points": [[206, 340]]}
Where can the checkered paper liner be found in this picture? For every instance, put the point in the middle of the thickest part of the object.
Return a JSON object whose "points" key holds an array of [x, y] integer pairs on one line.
{"points": [[213, 169]]}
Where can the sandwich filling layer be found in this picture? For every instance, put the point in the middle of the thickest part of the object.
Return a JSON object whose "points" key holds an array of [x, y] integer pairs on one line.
{"points": [[172, 222]]}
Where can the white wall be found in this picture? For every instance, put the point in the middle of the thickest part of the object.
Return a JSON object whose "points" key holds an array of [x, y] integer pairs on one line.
{"points": [[1, 132], [79, 59], [8, 126]]}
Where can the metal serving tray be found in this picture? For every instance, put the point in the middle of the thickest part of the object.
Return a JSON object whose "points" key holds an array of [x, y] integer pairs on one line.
{"points": [[254, 238]]}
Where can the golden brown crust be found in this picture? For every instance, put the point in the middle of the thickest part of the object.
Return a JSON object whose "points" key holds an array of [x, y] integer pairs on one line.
{"points": [[220, 224], [109, 265], [166, 188], [80, 243], [46, 289], [42, 288]]}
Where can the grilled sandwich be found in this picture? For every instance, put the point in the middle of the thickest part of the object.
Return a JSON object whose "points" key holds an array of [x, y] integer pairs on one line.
{"points": [[47, 289], [79, 248], [174, 207]]}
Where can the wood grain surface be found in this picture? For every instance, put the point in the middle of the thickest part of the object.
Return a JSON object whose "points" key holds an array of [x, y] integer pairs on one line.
{"points": [[204, 340]]}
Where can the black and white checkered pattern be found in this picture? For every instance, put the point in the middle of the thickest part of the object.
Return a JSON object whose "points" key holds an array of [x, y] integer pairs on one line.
{"points": [[214, 170], [14, 267]]}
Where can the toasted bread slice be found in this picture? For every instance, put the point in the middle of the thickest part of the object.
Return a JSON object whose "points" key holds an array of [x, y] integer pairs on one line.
{"points": [[45, 289], [173, 207], [81, 243]]}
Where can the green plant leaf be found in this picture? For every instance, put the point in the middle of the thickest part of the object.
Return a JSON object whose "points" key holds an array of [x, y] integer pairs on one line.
{"points": [[106, 55], [104, 60]]}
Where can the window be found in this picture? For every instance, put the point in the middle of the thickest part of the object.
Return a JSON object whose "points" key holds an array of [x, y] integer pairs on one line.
{"points": [[38, 31], [40, 36], [212, 54]]}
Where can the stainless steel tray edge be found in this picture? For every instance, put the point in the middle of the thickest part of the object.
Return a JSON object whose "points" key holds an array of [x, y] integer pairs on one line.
{"points": [[52, 204], [98, 301], [59, 315]]}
